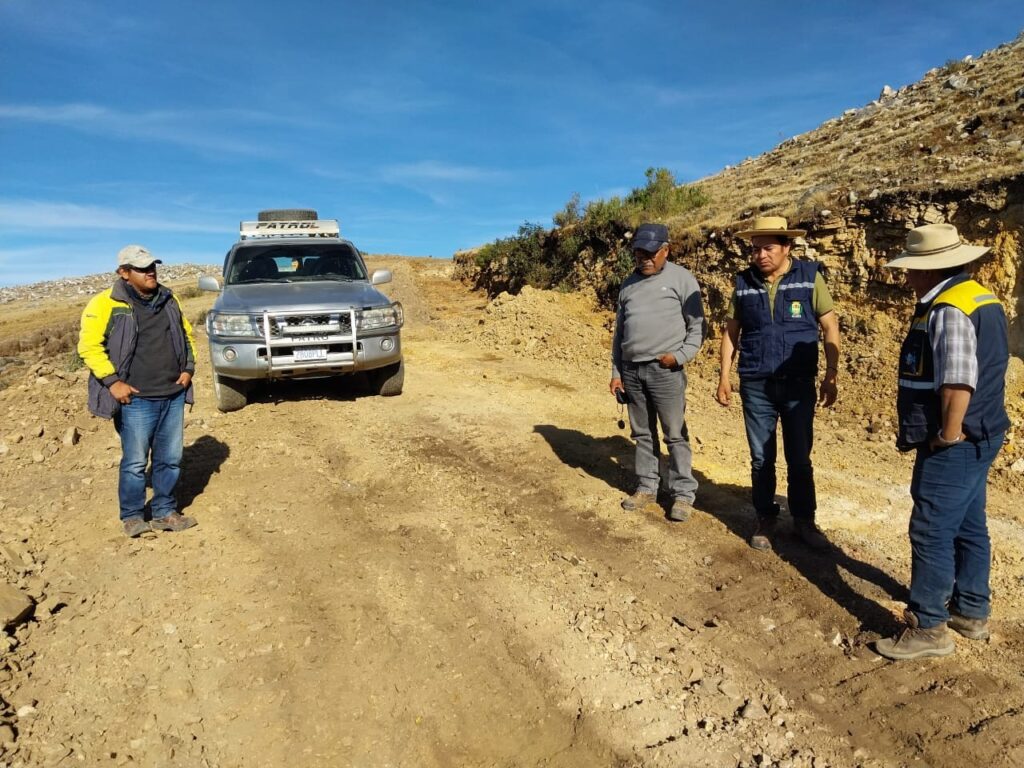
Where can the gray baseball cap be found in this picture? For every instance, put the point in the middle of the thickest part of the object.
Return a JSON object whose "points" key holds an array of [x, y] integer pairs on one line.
{"points": [[135, 256]]}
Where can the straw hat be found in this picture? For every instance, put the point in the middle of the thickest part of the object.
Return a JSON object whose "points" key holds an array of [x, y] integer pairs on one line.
{"points": [[936, 246], [769, 226]]}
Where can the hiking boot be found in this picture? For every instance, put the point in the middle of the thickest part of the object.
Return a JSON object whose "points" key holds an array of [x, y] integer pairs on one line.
{"points": [[975, 629], [916, 643], [680, 511], [638, 500], [172, 522], [134, 527], [811, 536], [761, 540]]}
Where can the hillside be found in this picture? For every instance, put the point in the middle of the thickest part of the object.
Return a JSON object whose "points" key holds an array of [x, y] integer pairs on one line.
{"points": [[945, 149], [960, 128]]}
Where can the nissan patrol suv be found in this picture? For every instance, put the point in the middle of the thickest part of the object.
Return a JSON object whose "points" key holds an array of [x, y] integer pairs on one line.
{"points": [[297, 302]]}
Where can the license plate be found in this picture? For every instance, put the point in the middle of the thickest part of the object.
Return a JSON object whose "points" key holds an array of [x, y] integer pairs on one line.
{"points": [[310, 353]]}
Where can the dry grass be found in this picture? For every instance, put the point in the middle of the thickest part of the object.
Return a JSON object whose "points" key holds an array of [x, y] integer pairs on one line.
{"points": [[910, 142]]}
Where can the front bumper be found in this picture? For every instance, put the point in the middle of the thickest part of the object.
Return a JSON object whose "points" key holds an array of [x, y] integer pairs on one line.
{"points": [[289, 350]]}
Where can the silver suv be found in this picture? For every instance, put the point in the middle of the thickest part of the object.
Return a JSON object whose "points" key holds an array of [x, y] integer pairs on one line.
{"points": [[297, 303]]}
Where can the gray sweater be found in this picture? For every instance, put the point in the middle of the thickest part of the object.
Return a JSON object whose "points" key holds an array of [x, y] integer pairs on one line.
{"points": [[658, 314]]}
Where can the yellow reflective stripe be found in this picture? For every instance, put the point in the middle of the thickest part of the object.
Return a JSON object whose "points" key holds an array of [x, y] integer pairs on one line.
{"points": [[966, 296]]}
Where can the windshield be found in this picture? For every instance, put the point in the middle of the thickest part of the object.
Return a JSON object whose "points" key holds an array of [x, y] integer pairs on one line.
{"points": [[294, 262]]}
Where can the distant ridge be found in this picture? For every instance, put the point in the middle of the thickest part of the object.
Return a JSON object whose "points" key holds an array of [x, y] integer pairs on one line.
{"points": [[959, 126]]}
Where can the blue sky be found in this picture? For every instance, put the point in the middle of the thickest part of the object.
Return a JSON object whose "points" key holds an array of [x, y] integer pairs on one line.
{"points": [[423, 127]]}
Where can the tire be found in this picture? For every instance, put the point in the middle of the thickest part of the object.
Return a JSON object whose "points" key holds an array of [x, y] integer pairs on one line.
{"points": [[232, 394], [287, 214], [388, 381]]}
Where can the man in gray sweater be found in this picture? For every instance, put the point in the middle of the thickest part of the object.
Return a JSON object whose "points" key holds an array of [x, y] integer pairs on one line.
{"points": [[659, 327]]}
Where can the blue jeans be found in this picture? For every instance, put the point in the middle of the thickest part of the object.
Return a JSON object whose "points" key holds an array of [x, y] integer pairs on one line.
{"points": [[950, 550], [150, 427], [765, 403], [659, 394]]}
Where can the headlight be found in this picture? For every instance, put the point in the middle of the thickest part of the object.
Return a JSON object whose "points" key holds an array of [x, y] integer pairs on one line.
{"points": [[226, 324], [380, 317]]}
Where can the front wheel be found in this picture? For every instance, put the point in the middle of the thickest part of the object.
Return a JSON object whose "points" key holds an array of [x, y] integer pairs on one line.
{"points": [[388, 381], [232, 394]]}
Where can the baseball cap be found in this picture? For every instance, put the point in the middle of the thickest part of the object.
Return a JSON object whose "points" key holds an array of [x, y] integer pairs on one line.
{"points": [[650, 237], [135, 256]]}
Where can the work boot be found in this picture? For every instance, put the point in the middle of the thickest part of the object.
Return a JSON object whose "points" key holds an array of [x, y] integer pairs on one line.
{"points": [[680, 511], [916, 643], [638, 500], [811, 536], [172, 522], [761, 540], [975, 629], [134, 527]]}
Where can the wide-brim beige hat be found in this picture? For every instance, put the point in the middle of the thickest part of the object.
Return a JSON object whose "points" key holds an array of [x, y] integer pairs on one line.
{"points": [[936, 246], [770, 225]]}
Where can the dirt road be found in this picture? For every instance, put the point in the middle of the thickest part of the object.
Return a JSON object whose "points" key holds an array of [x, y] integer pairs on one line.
{"points": [[445, 578]]}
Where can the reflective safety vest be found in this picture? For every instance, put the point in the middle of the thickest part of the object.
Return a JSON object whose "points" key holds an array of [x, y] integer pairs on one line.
{"points": [[918, 405], [779, 343]]}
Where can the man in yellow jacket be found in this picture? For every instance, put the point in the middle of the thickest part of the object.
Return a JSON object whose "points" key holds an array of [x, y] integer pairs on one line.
{"points": [[141, 354]]}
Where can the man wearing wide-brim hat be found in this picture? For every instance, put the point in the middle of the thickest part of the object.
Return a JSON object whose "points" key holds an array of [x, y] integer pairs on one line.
{"points": [[778, 306], [951, 410]]}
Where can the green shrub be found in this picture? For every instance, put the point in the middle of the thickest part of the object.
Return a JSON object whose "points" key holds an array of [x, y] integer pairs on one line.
{"points": [[548, 259], [570, 214], [662, 197]]}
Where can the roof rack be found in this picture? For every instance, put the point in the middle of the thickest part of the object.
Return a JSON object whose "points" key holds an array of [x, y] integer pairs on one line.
{"points": [[306, 228]]}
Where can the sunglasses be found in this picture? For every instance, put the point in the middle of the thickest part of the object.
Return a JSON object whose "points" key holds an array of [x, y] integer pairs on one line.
{"points": [[150, 268]]}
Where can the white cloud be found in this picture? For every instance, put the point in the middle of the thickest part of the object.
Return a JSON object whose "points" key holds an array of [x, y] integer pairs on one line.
{"points": [[183, 128], [431, 170], [37, 216]]}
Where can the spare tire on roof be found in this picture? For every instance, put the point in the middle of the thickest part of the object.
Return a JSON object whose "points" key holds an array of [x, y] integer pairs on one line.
{"points": [[287, 214]]}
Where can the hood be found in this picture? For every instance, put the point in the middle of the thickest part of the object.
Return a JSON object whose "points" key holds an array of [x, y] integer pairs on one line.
{"points": [[318, 295]]}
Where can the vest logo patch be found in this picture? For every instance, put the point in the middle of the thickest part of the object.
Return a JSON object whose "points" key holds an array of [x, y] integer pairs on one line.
{"points": [[796, 309], [911, 364]]}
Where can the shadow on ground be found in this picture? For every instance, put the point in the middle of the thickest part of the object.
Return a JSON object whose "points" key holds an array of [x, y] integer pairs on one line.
{"points": [[199, 462], [345, 388], [609, 459]]}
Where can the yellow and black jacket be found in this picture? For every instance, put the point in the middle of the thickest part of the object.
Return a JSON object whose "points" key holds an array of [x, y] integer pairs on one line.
{"points": [[107, 340]]}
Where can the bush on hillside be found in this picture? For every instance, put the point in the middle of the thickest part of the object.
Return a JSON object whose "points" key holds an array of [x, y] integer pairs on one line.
{"points": [[587, 247]]}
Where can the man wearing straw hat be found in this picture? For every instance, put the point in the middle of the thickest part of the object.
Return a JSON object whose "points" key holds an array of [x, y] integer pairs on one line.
{"points": [[951, 410], [777, 308]]}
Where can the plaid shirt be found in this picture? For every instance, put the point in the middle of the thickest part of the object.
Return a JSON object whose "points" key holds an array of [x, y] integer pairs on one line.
{"points": [[954, 344]]}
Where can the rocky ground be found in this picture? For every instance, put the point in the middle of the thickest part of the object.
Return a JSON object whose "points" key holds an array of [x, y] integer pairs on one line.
{"points": [[446, 578]]}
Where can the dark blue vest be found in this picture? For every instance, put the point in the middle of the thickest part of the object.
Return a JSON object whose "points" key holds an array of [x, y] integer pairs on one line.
{"points": [[783, 343], [917, 402]]}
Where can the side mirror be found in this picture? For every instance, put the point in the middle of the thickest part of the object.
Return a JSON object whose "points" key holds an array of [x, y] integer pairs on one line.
{"points": [[208, 283], [380, 276]]}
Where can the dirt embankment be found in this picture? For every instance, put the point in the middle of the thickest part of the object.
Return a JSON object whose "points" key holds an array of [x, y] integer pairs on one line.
{"points": [[446, 578]]}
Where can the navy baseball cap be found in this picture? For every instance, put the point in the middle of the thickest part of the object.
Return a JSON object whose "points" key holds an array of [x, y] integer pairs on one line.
{"points": [[650, 237]]}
